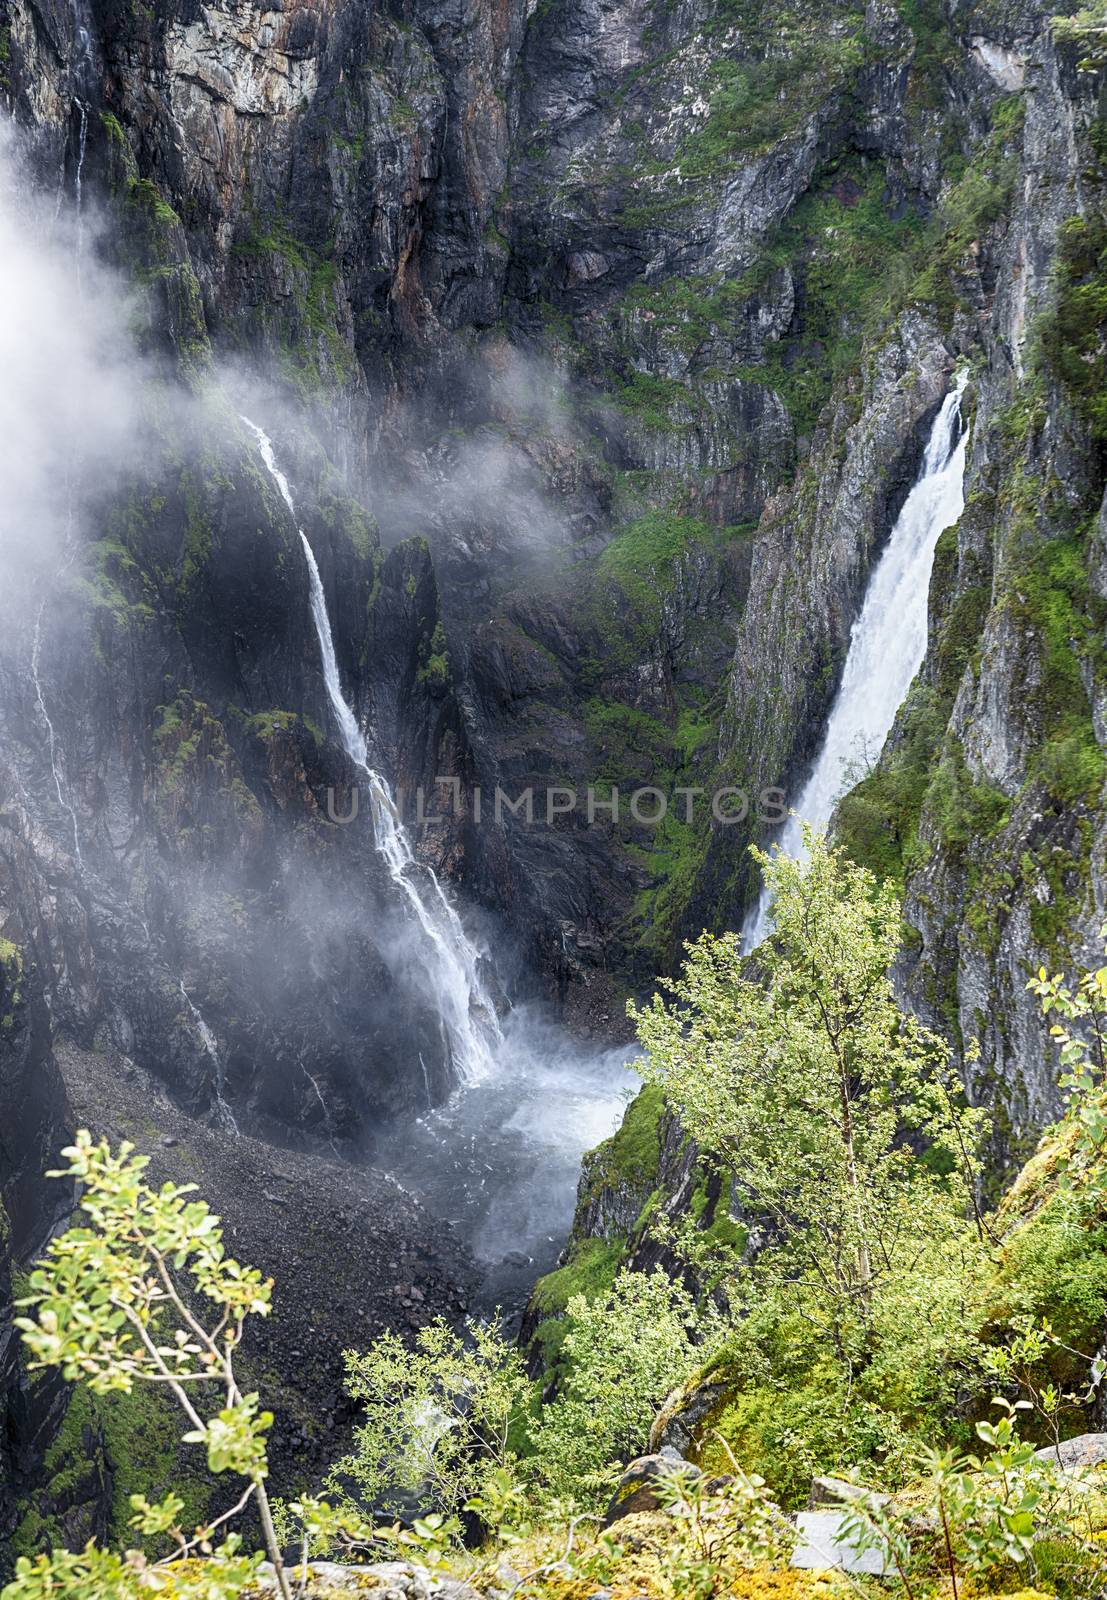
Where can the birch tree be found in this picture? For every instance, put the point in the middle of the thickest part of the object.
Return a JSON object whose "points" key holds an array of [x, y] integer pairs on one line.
{"points": [[836, 1117]]}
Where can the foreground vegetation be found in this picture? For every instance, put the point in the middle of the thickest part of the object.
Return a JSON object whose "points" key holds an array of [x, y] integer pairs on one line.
{"points": [[861, 1314]]}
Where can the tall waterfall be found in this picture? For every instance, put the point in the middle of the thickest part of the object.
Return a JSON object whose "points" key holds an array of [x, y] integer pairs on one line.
{"points": [[451, 962], [888, 640], [82, 73]]}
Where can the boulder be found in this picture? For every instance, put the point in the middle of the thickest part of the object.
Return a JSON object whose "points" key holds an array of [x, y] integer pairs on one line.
{"points": [[1079, 1454], [821, 1546], [827, 1491], [634, 1491]]}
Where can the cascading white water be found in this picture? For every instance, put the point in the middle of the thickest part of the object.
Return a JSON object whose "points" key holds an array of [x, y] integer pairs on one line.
{"points": [[82, 74], [78, 182], [448, 956], [207, 1039], [322, 1105], [888, 640]]}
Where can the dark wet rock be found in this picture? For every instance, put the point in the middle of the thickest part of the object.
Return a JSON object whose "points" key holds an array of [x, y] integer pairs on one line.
{"points": [[635, 1492]]}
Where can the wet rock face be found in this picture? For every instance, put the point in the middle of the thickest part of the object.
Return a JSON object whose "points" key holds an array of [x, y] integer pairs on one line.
{"points": [[219, 884], [1022, 884], [33, 1119], [361, 195]]}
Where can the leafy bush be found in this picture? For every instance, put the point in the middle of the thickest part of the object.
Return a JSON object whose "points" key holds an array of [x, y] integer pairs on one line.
{"points": [[819, 1097], [437, 1420], [110, 1311], [625, 1351]]}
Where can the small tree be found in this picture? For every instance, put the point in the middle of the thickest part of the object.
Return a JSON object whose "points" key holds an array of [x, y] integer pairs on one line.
{"points": [[836, 1116], [145, 1293], [439, 1420], [1080, 1031], [625, 1351]]}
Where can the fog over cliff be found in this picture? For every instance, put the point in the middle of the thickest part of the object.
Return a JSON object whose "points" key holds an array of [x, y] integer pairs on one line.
{"points": [[69, 402]]}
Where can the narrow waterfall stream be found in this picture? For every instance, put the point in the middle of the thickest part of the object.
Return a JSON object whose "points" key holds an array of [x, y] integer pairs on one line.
{"points": [[449, 958], [60, 786], [81, 73], [501, 1158], [211, 1047], [82, 93], [888, 640]]}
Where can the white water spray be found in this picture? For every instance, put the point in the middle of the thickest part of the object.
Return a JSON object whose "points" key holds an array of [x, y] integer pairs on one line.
{"points": [[449, 958], [888, 640], [207, 1039]]}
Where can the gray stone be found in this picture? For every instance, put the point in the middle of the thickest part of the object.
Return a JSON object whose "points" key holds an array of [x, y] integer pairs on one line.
{"points": [[821, 1546], [828, 1491], [1078, 1454], [634, 1492]]}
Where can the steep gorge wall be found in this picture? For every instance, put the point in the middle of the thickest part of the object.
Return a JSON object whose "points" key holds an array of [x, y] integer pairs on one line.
{"points": [[636, 315], [33, 1117], [989, 801], [626, 320]]}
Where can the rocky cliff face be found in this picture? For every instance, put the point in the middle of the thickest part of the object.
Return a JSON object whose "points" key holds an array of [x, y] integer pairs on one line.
{"points": [[1000, 843], [599, 341], [32, 1116], [987, 802]]}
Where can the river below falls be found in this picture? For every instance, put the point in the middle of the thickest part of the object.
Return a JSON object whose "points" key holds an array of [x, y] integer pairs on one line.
{"points": [[500, 1160]]}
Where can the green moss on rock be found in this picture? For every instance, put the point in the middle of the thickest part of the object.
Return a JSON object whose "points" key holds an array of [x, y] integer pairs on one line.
{"points": [[590, 1270], [130, 1443], [1074, 334], [630, 1157]]}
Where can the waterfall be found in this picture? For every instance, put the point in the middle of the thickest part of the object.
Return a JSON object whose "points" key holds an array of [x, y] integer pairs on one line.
{"points": [[78, 180], [500, 1160], [448, 956], [888, 640], [82, 74], [84, 64], [322, 1104], [207, 1039]]}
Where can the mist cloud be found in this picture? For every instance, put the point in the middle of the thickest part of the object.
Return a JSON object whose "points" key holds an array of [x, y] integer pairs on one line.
{"points": [[70, 377]]}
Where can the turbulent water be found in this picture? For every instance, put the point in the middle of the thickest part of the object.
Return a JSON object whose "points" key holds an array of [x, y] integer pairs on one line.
{"points": [[500, 1159], [888, 640]]}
